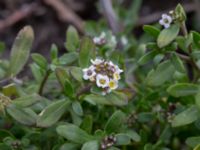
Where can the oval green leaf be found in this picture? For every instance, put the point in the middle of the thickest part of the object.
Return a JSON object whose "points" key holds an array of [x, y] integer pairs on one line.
{"points": [[166, 36], [182, 89], [52, 113], [73, 133], [20, 50]]}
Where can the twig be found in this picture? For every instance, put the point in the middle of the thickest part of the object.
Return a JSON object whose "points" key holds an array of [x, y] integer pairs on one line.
{"points": [[184, 57], [66, 14], [110, 16], [40, 92], [155, 16], [18, 15]]}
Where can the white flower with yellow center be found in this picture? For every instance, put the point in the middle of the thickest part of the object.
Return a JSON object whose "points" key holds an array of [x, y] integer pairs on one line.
{"points": [[89, 73], [116, 76], [97, 61], [113, 84], [102, 80], [165, 21]]}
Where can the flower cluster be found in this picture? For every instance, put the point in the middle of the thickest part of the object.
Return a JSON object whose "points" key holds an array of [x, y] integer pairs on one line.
{"points": [[104, 73], [108, 141], [100, 40], [107, 39]]}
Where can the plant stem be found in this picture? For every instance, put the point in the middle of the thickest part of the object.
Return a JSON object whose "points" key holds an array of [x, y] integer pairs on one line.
{"points": [[48, 72], [192, 61], [184, 29]]}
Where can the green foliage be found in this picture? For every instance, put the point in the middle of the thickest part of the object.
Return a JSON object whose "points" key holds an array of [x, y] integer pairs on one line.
{"points": [[59, 104], [20, 50]]}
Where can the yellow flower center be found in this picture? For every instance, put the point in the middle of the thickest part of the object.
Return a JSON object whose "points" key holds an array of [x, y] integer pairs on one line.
{"points": [[102, 81], [112, 84], [116, 76]]}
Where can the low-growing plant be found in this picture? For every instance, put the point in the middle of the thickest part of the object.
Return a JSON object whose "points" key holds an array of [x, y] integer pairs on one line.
{"points": [[105, 92]]}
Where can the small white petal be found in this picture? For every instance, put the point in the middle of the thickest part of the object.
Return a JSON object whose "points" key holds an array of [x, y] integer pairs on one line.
{"points": [[164, 16], [161, 22], [102, 80], [166, 25]]}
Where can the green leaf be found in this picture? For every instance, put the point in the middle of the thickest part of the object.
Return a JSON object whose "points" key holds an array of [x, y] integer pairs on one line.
{"points": [[20, 50], [166, 36], [163, 73], [23, 115], [36, 72], [91, 145], [73, 133], [184, 42], [2, 46], [5, 147], [68, 88], [115, 122], [180, 12], [193, 141], [64, 81], [186, 117], [77, 108], [178, 63], [145, 117], [197, 147], [69, 146], [196, 55], [87, 123], [68, 58], [197, 100], [72, 39], [196, 38], [54, 52], [182, 89], [40, 60], [122, 139], [61, 75], [5, 133], [52, 113], [77, 73], [151, 30], [147, 57], [87, 52], [114, 98], [133, 135], [28, 100]]}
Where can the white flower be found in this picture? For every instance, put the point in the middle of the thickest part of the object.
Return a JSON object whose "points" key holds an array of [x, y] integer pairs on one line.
{"points": [[124, 40], [96, 40], [97, 61], [89, 73], [116, 76], [118, 70], [113, 84], [100, 40], [165, 20], [102, 80]]}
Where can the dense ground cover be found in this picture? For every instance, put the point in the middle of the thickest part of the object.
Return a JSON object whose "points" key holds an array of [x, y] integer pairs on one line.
{"points": [[105, 91]]}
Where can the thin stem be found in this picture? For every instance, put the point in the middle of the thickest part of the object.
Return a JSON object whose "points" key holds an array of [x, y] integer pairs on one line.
{"points": [[40, 92], [184, 29], [192, 61]]}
